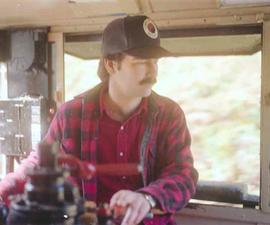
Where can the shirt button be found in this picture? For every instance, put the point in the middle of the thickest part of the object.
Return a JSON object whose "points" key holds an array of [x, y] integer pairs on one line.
{"points": [[122, 128], [121, 153], [124, 177]]}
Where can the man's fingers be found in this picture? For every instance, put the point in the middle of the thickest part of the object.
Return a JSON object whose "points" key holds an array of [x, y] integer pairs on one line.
{"points": [[135, 214], [119, 211], [118, 199], [122, 198], [140, 214], [136, 206], [130, 217], [127, 216], [142, 211]]}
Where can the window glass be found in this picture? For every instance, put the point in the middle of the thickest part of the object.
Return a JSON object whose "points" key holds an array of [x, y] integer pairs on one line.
{"points": [[220, 96], [221, 99], [80, 75]]}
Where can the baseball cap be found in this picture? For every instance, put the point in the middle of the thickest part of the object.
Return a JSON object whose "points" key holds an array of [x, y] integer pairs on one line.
{"points": [[134, 35]]}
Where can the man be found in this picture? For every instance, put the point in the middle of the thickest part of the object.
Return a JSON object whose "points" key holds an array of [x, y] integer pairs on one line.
{"points": [[123, 121]]}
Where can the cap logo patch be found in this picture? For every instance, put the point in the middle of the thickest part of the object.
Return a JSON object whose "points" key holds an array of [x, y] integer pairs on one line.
{"points": [[150, 29]]}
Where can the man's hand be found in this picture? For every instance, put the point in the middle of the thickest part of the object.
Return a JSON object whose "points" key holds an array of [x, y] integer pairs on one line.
{"points": [[135, 203]]}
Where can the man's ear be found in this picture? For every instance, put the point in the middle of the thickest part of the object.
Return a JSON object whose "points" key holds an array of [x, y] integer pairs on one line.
{"points": [[109, 65]]}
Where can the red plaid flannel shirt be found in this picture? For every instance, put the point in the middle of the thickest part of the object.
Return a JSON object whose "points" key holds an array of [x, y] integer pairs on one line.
{"points": [[168, 172]]}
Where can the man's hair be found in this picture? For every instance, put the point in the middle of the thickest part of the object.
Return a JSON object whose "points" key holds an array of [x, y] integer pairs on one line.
{"points": [[102, 71]]}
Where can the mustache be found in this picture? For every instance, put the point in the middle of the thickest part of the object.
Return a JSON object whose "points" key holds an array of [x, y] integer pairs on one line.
{"points": [[150, 80]]}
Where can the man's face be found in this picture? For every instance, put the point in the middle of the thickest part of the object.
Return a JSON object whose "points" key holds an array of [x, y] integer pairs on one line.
{"points": [[134, 77]]}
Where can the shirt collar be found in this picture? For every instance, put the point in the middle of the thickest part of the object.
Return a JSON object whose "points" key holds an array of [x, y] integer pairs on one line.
{"points": [[142, 108]]}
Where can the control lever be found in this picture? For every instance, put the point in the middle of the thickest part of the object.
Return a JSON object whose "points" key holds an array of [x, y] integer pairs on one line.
{"points": [[87, 170]]}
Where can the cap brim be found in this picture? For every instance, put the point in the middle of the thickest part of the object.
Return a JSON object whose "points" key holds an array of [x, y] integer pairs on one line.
{"points": [[149, 52]]}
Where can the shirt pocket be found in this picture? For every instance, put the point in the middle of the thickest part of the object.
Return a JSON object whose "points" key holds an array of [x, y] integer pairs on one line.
{"points": [[70, 146]]}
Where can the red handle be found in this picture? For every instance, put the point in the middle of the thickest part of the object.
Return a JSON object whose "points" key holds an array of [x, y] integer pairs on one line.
{"points": [[87, 170]]}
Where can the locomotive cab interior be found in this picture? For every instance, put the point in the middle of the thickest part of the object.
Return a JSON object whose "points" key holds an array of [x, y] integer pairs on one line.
{"points": [[45, 45]]}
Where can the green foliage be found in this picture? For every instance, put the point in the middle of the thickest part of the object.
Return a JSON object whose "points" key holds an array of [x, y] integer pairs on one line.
{"points": [[221, 98]]}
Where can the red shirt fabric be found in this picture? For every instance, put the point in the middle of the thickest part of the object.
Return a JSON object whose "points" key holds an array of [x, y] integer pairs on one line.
{"points": [[118, 143], [168, 173]]}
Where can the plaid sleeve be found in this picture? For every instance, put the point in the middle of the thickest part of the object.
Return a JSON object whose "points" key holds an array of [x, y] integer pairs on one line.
{"points": [[176, 178], [13, 183]]}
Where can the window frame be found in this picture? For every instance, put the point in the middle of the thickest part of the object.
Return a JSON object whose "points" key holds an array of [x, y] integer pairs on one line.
{"points": [[265, 120], [265, 88]]}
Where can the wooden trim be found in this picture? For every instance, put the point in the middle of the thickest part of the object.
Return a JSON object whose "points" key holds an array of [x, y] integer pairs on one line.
{"points": [[179, 19], [265, 119], [129, 6], [200, 214], [10, 163], [145, 6], [206, 13], [208, 21], [188, 32], [58, 39], [164, 24], [67, 22], [83, 37], [212, 31]]}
